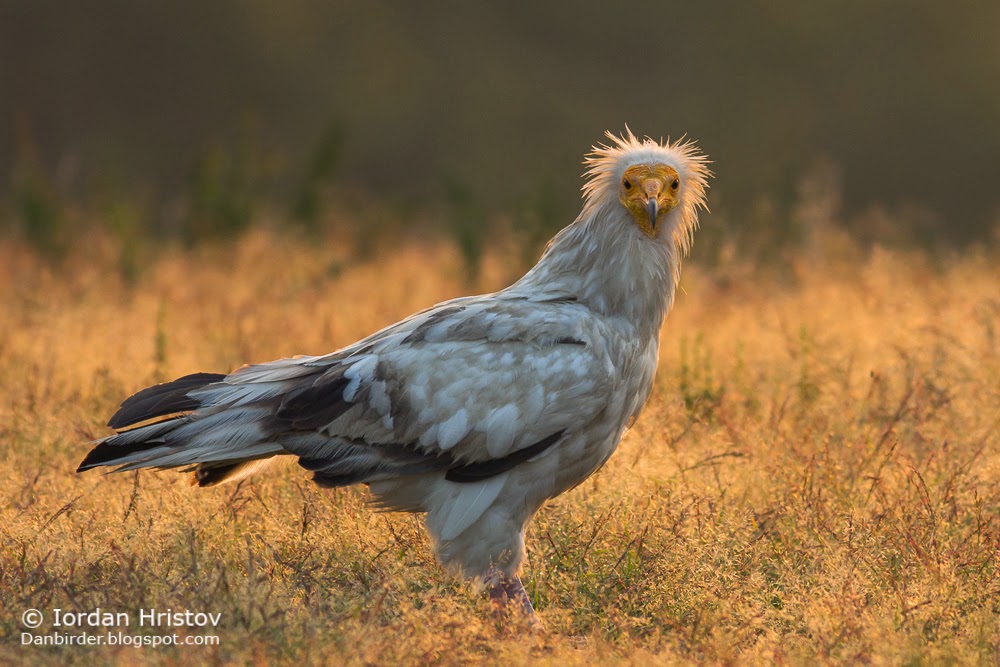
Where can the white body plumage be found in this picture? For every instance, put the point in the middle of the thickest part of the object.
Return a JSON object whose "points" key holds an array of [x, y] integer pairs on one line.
{"points": [[475, 411]]}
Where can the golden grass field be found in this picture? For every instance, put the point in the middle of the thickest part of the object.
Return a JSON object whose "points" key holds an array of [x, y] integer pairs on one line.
{"points": [[816, 479]]}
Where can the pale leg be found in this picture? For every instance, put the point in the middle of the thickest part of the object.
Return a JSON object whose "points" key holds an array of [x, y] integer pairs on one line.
{"points": [[508, 592]]}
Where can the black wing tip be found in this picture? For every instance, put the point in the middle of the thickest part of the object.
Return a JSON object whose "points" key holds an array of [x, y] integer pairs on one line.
{"points": [[161, 400], [107, 453], [98, 456]]}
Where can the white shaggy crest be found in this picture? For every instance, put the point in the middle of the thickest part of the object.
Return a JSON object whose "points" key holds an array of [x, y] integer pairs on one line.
{"points": [[607, 163]]}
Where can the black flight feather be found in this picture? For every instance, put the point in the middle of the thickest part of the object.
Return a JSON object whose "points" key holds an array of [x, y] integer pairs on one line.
{"points": [[162, 399], [342, 468], [106, 451], [476, 472], [316, 405]]}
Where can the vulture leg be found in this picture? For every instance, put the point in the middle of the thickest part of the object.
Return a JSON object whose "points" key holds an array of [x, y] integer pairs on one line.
{"points": [[507, 592]]}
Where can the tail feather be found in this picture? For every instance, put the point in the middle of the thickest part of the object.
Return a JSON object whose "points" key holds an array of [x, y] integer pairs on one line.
{"points": [[194, 431], [179, 457]]}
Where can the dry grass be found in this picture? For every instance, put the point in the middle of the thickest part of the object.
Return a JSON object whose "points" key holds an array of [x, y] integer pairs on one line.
{"points": [[815, 480]]}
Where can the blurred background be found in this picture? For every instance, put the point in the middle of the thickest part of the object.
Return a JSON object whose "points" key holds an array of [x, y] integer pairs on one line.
{"points": [[184, 120]]}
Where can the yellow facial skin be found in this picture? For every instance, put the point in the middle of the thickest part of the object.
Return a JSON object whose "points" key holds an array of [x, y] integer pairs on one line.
{"points": [[649, 191]]}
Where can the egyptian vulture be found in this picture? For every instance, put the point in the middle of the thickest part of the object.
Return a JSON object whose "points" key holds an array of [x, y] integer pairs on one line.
{"points": [[473, 412]]}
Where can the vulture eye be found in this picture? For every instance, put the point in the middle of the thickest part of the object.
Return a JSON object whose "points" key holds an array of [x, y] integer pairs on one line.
{"points": [[675, 184], [628, 184]]}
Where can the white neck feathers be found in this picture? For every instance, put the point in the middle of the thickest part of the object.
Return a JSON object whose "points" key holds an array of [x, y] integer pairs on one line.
{"points": [[603, 259]]}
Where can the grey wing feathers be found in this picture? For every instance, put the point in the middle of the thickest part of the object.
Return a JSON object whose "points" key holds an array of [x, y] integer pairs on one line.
{"points": [[473, 387]]}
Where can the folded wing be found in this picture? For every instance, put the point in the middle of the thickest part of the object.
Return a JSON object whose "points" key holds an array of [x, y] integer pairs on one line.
{"points": [[472, 387]]}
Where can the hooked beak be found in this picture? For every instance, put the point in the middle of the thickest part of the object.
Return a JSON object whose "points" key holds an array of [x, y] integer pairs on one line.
{"points": [[653, 208]]}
